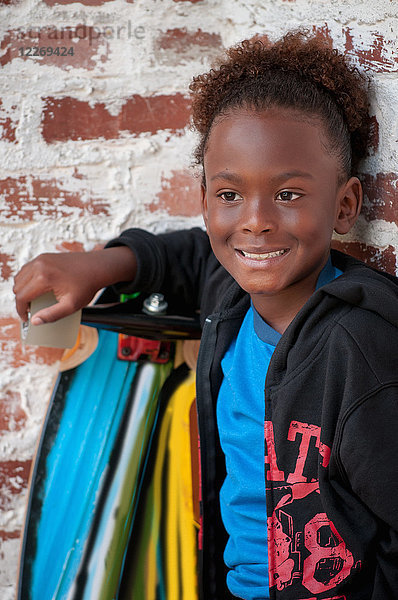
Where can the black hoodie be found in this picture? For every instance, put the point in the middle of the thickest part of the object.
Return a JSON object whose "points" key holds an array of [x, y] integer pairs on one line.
{"points": [[331, 433]]}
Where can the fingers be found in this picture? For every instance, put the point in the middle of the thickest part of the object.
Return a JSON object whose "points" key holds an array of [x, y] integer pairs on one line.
{"points": [[22, 306], [35, 279], [26, 288], [52, 313]]}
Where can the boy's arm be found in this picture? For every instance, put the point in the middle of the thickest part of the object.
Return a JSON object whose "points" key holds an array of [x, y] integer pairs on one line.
{"points": [[74, 278], [173, 263], [176, 264]]}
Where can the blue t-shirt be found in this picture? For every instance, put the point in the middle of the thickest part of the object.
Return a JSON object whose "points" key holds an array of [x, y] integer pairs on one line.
{"points": [[240, 419]]}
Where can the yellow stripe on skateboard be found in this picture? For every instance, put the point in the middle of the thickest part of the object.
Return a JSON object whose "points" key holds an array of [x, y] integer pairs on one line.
{"points": [[181, 534]]}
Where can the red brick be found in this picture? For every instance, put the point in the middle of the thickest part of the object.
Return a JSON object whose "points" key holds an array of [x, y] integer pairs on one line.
{"points": [[324, 34], [70, 119], [375, 55], [15, 354], [14, 476], [9, 535], [178, 39], [178, 45], [75, 247], [7, 126], [12, 415], [180, 195], [70, 247], [5, 48], [84, 40], [383, 259], [5, 268], [380, 197], [25, 198], [373, 134]]}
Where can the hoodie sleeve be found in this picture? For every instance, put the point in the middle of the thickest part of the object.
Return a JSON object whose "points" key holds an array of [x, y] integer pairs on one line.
{"points": [[171, 263], [369, 456]]}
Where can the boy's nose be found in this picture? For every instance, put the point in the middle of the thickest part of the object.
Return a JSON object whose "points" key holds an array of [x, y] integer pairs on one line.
{"points": [[258, 217]]}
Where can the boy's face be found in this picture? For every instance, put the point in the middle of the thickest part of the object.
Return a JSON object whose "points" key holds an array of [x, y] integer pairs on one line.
{"points": [[272, 200]]}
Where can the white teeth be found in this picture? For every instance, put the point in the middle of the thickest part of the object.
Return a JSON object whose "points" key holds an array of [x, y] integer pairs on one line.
{"points": [[263, 256]]}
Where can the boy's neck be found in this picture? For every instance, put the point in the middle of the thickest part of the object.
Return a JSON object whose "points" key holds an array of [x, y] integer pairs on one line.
{"points": [[279, 310]]}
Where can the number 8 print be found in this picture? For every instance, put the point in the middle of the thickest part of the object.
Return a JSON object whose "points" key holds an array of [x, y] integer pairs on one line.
{"points": [[329, 561]]}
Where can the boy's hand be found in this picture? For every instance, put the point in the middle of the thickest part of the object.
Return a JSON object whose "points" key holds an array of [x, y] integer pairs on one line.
{"points": [[74, 278]]}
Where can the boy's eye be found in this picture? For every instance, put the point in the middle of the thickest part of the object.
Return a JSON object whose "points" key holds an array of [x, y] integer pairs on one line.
{"points": [[229, 196], [287, 196]]}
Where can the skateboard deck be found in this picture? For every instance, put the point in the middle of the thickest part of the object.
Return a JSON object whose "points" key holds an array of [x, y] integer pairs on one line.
{"points": [[93, 471]]}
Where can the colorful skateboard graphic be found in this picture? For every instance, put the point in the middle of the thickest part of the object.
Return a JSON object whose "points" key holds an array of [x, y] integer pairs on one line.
{"points": [[100, 458], [162, 563]]}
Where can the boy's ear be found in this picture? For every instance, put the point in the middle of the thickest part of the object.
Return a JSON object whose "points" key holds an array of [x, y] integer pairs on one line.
{"points": [[350, 203], [204, 203]]}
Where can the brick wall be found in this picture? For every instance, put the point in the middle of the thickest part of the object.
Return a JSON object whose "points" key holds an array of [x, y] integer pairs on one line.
{"points": [[95, 138]]}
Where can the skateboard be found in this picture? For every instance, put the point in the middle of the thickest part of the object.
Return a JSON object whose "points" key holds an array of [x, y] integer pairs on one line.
{"points": [[107, 478]]}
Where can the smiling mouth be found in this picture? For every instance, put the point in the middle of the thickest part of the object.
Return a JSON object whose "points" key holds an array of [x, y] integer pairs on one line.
{"points": [[263, 255]]}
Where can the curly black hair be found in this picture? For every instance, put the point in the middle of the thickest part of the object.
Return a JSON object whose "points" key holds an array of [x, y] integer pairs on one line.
{"points": [[301, 72]]}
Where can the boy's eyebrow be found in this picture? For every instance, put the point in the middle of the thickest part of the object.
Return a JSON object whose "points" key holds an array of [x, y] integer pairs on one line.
{"points": [[291, 174], [235, 178]]}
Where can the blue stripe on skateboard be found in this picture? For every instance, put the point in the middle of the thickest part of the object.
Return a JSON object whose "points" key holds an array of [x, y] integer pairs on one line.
{"points": [[93, 409]]}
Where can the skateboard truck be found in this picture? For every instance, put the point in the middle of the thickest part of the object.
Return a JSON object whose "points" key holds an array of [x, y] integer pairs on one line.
{"points": [[133, 348]]}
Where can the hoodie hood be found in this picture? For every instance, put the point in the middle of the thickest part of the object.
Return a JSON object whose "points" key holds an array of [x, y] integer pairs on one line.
{"points": [[365, 287], [372, 294]]}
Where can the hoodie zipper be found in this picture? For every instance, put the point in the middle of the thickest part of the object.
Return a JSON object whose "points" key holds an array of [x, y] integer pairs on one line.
{"points": [[207, 432]]}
